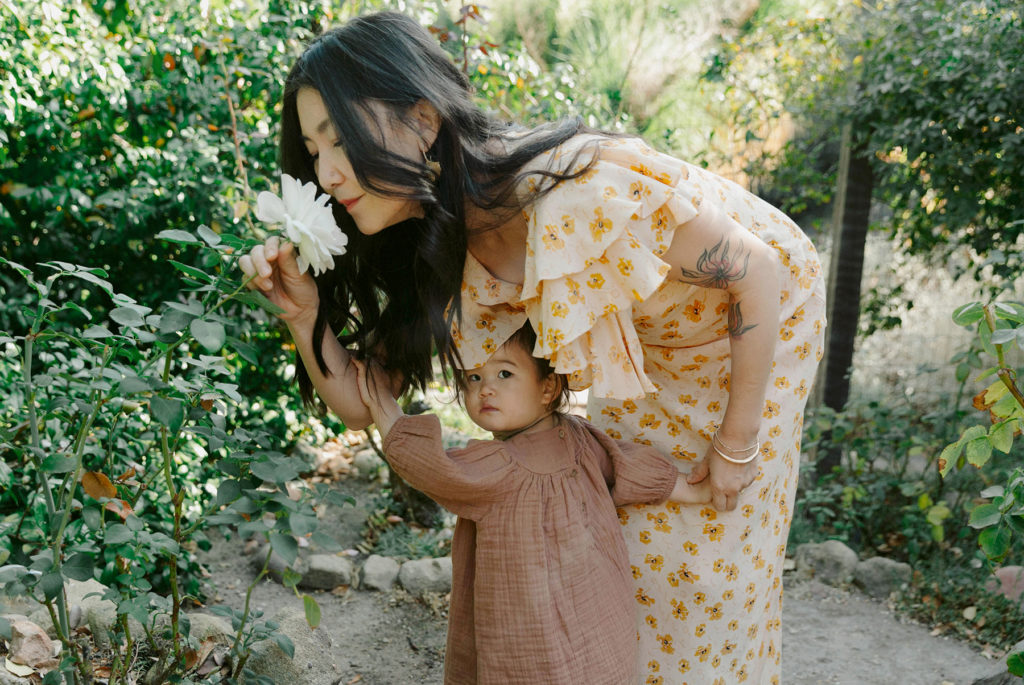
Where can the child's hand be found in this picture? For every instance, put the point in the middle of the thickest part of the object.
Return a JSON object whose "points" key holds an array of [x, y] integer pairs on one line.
{"points": [[691, 493], [361, 384], [375, 392]]}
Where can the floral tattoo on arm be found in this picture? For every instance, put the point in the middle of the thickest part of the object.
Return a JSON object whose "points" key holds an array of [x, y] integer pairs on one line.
{"points": [[736, 326], [718, 267]]}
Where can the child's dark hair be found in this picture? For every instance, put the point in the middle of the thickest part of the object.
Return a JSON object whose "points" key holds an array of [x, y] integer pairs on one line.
{"points": [[526, 338]]}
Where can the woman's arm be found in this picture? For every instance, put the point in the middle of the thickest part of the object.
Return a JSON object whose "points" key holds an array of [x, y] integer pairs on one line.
{"points": [[273, 269], [337, 390], [714, 251]]}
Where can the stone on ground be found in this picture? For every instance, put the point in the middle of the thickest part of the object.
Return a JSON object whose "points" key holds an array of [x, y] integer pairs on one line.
{"points": [[1008, 581], [879, 576], [209, 627], [314, 661], [31, 646], [830, 562], [326, 572], [86, 606], [426, 575], [379, 573]]}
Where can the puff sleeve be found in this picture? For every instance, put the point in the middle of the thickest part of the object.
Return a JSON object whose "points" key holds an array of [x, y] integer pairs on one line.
{"points": [[594, 246], [594, 250], [465, 481], [640, 474]]}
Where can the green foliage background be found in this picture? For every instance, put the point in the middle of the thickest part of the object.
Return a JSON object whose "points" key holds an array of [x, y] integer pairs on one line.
{"points": [[125, 120]]}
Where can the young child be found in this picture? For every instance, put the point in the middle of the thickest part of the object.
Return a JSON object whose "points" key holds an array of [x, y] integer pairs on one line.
{"points": [[541, 592]]}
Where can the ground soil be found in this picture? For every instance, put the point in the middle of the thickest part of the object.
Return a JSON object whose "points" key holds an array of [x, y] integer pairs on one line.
{"points": [[829, 635]]}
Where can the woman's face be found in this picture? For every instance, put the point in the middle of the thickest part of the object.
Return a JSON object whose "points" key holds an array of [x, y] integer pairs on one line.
{"points": [[372, 213]]}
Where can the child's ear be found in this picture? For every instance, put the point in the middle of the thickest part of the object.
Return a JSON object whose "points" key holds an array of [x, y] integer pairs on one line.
{"points": [[551, 388]]}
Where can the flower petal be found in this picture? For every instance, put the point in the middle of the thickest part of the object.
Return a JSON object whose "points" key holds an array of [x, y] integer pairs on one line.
{"points": [[307, 220], [270, 208]]}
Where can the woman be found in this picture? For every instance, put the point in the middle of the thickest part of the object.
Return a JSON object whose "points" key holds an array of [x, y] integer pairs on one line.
{"points": [[691, 309]]}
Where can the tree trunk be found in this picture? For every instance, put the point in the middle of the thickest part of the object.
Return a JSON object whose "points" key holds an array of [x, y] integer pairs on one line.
{"points": [[849, 232]]}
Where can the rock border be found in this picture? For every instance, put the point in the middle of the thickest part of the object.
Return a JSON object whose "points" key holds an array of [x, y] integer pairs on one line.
{"points": [[830, 562]]}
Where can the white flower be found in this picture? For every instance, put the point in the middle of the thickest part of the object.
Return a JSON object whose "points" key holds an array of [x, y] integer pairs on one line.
{"points": [[307, 220]]}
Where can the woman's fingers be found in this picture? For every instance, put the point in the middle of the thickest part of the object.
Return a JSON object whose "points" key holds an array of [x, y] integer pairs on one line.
{"points": [[722, 501], [698, 473], [261, 268], [259, 264], [727, 480], [287, 260], [248, 270]]}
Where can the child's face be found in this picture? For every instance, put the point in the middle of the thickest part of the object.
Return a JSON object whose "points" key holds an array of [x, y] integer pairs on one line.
{"points": [[507, 393]]}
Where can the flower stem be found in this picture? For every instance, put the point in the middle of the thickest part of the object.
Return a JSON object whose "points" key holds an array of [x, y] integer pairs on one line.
{"points": [[239, 157], [1005, 373], [245, 612]]}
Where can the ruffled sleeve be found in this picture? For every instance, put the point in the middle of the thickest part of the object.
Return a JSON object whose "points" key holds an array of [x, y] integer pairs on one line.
{"points": [[594, 250], [490, 314]]}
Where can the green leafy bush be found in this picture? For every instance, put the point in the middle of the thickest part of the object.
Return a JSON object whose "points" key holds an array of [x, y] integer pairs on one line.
{"points": [[123, 120], [934, 488], [886, 496], [120, 450], [998, 513]]}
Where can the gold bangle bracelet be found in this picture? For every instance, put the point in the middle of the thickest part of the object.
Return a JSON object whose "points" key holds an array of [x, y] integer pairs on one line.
{"points": [[756, 447], [732, 449]]}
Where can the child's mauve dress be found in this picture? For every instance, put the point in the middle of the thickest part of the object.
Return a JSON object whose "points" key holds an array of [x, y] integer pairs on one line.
{"points": [[541, 589]]}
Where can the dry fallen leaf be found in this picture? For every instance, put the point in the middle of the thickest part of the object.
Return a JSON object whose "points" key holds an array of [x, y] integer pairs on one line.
{"points": [[216, 660], [206, 648], [18, 669]]}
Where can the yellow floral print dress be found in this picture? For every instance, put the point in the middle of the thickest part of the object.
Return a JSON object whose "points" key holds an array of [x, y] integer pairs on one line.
{"points": [[655, 354]]}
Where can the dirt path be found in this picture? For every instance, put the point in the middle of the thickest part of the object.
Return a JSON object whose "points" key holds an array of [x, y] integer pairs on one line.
{"points": [[833, 636], [829, 636]]}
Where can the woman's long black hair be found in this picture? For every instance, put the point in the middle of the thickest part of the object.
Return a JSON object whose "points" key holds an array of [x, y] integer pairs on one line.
{"points": [[395, 294]]}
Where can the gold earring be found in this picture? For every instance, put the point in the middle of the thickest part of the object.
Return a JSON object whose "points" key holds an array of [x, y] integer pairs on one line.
{"points": [[433, 168]]}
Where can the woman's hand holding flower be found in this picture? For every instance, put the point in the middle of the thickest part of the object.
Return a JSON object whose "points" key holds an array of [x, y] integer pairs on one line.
{"points": [[275, 267], [275, 271]]}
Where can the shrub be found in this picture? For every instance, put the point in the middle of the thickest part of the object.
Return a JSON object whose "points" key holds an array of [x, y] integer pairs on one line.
{"points": [[120, 451]]}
